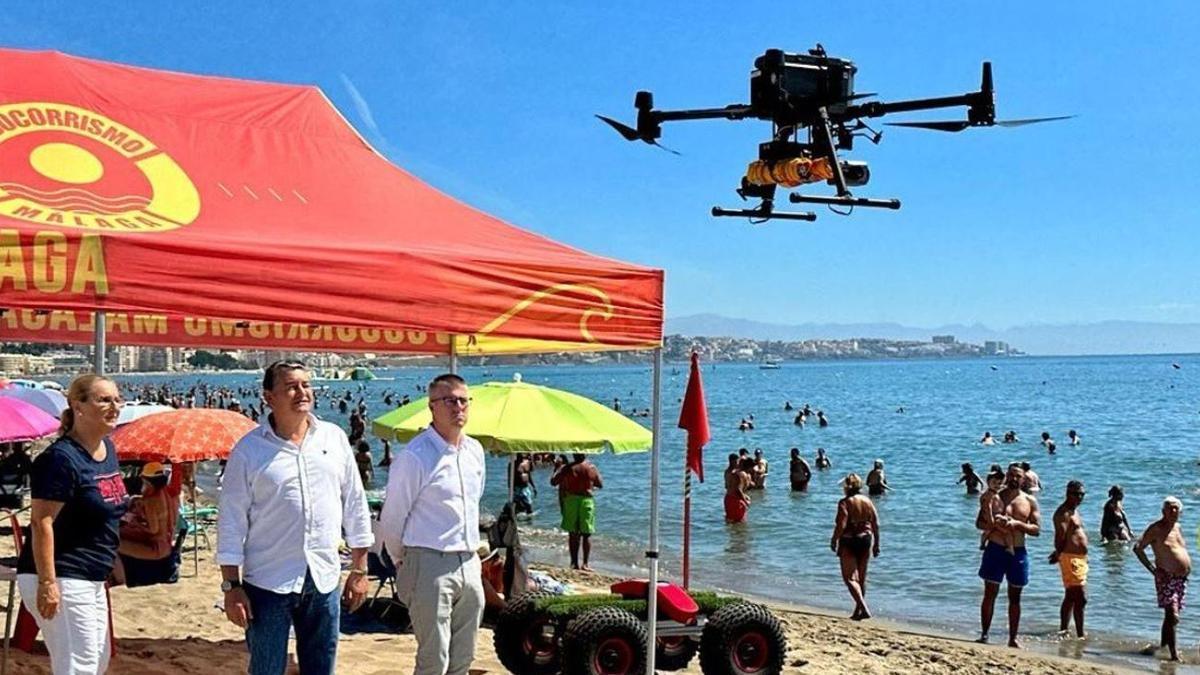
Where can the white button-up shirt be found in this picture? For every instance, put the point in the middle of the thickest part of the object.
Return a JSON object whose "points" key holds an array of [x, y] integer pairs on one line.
{"points": [[433, 495], [284, 507]]}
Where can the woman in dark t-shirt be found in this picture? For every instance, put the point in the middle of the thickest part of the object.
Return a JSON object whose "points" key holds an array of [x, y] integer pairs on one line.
{"points": [[78, 501]]}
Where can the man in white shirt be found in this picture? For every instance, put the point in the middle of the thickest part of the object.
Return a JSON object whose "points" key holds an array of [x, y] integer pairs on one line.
{"points": [[430, 525], [290, 489]]}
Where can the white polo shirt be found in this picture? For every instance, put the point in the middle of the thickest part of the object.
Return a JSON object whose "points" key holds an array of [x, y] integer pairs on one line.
{"points": [[433, 494], [284, 507]]}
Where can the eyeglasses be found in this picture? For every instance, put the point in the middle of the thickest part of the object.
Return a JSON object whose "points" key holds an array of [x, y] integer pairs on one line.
{"points": [[109, 400], [454, 401]]}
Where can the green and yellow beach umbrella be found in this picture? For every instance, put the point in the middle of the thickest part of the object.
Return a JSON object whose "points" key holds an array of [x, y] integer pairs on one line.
{"points": [[509, 417]]}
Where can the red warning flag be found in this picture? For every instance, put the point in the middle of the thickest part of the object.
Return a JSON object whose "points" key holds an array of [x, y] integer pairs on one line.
{"points": [[693, 417]]}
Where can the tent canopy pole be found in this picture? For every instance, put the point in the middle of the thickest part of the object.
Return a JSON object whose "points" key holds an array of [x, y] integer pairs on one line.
{"points": [[652, 552]]}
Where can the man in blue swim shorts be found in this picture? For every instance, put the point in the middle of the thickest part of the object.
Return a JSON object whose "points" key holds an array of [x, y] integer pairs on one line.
{"points": [[1000, 562]]}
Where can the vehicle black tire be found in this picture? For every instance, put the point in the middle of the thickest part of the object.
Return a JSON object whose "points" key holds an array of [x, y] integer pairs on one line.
{"points": [[526, 641], [742, 639], [604, 641], [674, 653]]}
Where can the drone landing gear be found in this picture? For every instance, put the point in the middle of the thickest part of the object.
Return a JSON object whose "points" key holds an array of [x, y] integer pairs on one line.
{"points": [[766, 207], [764, 212], [847, 200]]}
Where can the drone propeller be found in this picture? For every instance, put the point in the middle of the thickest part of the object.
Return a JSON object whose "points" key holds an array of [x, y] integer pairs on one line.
{"points": [[631, 134], [959, 125]]}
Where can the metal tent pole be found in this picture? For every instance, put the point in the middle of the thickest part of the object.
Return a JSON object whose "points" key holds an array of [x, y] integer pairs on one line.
{"points": [[652, 552], [453, 354], [98, 341]]}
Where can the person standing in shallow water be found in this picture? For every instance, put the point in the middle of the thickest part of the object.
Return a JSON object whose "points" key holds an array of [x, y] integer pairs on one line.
{"points": [[1170, 568], [578, 479], [737, 481], [1070, 554], [1114, 526], [799, 472], [855, 540], [1020, 519], [971, 478]]}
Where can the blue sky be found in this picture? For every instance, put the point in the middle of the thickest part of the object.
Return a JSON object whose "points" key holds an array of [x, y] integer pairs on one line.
{"points": [[1077, 221]]}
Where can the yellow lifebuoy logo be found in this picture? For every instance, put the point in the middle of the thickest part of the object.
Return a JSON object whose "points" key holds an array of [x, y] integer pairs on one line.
{"points": [[68, 166]]}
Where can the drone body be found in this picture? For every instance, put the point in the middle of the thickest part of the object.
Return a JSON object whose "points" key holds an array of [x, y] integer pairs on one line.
{"points": [[814, 111]]}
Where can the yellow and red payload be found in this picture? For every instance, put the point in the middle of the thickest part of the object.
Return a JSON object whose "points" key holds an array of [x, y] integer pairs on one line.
{"points": [[789, 172]]}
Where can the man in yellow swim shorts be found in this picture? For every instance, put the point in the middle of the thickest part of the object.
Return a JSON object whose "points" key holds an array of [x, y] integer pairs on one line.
{"points": [[1070, 553]]}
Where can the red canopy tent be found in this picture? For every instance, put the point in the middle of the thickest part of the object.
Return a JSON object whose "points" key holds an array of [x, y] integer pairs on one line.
{"points": [[208, 211], [167, 199]]}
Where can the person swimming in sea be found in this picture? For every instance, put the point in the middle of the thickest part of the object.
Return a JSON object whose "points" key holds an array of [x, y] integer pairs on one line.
{"points": [[799, 420], [1010, 436], [822, 421], [1032, 482], [987, 439], [822, 460], [799, 472], [1075, 439], [971, 478], [1114, 526], [787, 405]]}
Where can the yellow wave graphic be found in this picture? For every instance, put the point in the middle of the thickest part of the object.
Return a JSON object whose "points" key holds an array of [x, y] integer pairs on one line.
{"points": [[77, 199], [605, 311]]}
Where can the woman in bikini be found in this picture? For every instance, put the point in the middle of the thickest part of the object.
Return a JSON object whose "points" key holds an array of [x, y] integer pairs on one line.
{"points": [[855, 540]]}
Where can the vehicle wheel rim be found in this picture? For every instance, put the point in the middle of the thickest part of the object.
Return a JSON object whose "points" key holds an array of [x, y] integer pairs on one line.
{"points": [[672, 646], [751, 652], [540, 643], [614, 656]]}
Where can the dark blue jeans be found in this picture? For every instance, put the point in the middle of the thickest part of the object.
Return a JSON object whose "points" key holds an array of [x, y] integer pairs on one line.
{"points": [[315, 617]]}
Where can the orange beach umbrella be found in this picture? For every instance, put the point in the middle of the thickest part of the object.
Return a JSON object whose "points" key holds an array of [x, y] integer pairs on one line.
{"points": [[188, 435]]}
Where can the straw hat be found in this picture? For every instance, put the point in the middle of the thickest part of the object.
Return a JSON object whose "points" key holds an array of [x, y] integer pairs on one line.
{"points": [[485, 552]]}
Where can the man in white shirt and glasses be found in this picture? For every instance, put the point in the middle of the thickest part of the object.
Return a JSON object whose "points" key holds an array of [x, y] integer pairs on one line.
{"points": [[291, 489], [430, 526]]}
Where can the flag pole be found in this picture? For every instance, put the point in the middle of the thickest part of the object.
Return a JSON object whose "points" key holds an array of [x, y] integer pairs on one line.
{"points": [[687, 524]]}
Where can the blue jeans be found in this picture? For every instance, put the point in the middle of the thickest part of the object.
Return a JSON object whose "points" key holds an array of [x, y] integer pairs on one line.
{"points": [[315, 617]]}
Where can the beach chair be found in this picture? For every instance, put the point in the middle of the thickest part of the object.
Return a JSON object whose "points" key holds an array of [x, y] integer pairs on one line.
{"points": [[13, 487], [8, 572], [153, 572]]}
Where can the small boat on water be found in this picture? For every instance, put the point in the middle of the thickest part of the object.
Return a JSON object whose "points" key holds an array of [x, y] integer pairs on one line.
{"points": [[358, 374], [769, 364]]}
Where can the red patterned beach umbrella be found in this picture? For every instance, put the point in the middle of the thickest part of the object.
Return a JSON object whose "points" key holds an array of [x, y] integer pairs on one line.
{"points": [[188, 435]]}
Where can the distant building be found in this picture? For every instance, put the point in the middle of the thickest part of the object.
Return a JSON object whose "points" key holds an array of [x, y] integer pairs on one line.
{"points": [[942, 339], [995, 347], [25, 364]]}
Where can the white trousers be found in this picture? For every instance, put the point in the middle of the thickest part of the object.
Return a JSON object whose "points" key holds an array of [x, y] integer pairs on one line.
{"points": [[77, 636], [444, 596]]}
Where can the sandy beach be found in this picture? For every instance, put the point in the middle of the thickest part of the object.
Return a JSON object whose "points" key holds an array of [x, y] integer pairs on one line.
{"points": [[176, 629]]}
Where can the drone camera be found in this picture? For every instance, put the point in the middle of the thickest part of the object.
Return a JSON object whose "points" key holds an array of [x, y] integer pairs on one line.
{"points": [[781, 79], [856, 173]]}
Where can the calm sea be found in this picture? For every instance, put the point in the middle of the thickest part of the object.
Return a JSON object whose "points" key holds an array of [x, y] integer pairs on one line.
{"points": [[1139, 418]]}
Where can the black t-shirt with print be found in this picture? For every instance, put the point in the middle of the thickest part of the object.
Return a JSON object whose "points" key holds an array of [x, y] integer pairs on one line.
{"points": [[86, 530]]}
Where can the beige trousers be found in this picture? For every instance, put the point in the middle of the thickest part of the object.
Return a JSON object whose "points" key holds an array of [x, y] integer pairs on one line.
{"points": [[444, 596]]}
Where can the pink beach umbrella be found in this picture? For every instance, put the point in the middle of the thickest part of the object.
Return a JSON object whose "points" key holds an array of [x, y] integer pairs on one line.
{"points": [[21, 421]]}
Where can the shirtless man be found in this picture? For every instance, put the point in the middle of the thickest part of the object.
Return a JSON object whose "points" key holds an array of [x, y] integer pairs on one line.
{"points": [[1021, 519], [1170, 568], [523, 488], [1032, 482], [1070, 553], [877, 481], [761, 468], [737, 481], [799, 472]]}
